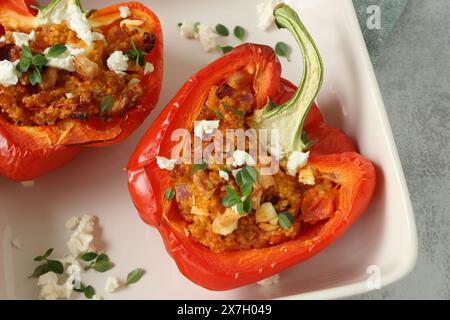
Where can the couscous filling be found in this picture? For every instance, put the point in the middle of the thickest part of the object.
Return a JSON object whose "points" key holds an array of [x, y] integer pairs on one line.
{"points": [[278, 207], [78, 83]]}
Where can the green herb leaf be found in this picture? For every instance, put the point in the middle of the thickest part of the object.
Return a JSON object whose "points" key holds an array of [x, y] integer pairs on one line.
{"points": [[26, 52], [169, 194], [78, 286], [55, 266], [246, 189], [39, 60], [235, 111], [231, 198], [136, 54], [102, 266], [225, 49], [248, 205], [88, 256], [35, 77], [285, 219], [179, 24], [239, 33], [220, 115], [240, 207], [246, 175], [56, 50], [44, 256], [89, 292], [282, 50], [199, 166], [23, 65], [106, 104], [102, 257], [134, 276], [40, 270], [222, 30]]}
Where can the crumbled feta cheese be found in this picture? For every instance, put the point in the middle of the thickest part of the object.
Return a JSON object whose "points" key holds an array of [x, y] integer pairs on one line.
{"points": [[269, 281], [266, 19], [224, 175], [51, 290], [187, 29], [125, 12], [28, 184], [208, 38], [97, 36], [2, 39], [70, 12], [82, 238], [205, 126], [296, 161], [21, 39], [66, 60], [72, 223], [118, 62], [8, 73], [32, 35], [16, 243], [306, 176], [164, 163], [70, 95], [149, 68], [111, 284], [241, 157]]}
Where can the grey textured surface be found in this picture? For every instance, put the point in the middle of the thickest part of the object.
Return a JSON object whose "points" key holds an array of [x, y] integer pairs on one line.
{"points": [[414, 76]]}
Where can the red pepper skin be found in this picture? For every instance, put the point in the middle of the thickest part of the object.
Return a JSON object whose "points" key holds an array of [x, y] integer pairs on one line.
{"points": [[24, 154], [224, 271]]}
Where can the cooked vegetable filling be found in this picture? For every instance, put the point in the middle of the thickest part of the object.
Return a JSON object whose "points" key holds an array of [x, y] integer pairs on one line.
{"points": [[233, 206], [50, 74]]}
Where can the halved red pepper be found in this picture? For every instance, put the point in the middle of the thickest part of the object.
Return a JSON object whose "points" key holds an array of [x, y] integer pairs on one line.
{"points": [[222, 271], [27, 152]]}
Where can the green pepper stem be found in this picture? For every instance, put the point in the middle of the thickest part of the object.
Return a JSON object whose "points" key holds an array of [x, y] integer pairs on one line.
{"points": [[289, 117]]}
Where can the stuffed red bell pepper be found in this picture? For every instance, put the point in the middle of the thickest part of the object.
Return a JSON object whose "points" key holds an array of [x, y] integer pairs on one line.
{"points": [[226, 217], [72, 78]]}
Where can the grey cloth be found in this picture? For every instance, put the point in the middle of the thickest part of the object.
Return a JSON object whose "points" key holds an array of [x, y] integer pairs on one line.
{"points": [[390, 11]]}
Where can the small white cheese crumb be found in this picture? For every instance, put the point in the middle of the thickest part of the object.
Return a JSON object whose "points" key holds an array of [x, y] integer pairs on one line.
{"points": [[187, 30], [32, 36], [72, 223], [269, 281], [125, 12], [66, 60], [164, 163], [205, 126], [8, 73], [241, 157], [208, 38], [111, 284], [296, 161], [224, 175], [16, 243], [118, 62], [149, 68], [51, 290], [21, 39], [266, 20], [28, 184], [82, 238], [2, 39], [97, 36], [70, 95]]}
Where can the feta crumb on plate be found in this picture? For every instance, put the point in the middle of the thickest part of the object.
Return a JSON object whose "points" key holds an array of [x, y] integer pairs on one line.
{"points": [[187, 29], [164, 163], [16, 243], [82, 238], [72, 223], [205, 126], [51, 290], [266, 20], [269, 281], [296, 161], [118, 62], [125, 12], [111, 284], [208, 38]]}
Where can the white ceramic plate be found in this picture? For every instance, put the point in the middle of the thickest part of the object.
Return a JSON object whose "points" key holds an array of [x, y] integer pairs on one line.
{"points": [[384, 237]]}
